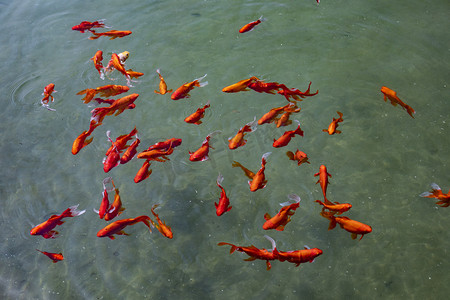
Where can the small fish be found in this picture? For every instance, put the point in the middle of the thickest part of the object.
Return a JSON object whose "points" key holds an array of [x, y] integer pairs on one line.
{"points": [[352, 226], [116, 207], [259, 179], [335, 207], [97, 59], [144, 172], [85, 25], [130, 152], [81, 141], [112, 34], [284, 119], [134, 74], [286, 137], [46, 228], [116, 63], [48, 90], [238, 140], [323, 180], [299, 156], [266, 87], [239, 86], [121, 141], [53, 256], [251, 25], [156, 154], [117, 107], [299, 256], [201, 154], [183, 91], [161, 226], [334, 124], [224, 202], [392, 96], [104, 91], [162, 85], [197, 115], [169, 143], [104, 205], [118, 226], [436, 192], [247, 172], [296, 94], [113, 158], [271, 115], [279, 221]]}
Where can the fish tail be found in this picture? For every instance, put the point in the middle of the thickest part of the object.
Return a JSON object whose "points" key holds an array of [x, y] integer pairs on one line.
{"points": [[233, 247], [72, 212], [410, 111], [219, 179]]}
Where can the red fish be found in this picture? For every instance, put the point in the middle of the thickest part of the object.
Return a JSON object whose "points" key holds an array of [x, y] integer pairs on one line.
{"points": [[251, 25], [183, 91], [46, 228], [224, 202], [53, 256], [299, 156], [48, 90], [266, 87], [436, 192], [118, 226], [121, 142], [162, 85], [201, 154], [392, 96], [112, 34], [239, 86], [130, 152], [144, 172], [104, 91], [238, 140], [197, 115], [283, 217], [118, 106], [169, 143], [104, 205], [161, 226], [335, 207], [334, 124], [85, 25], [113, 158], [323, 180], [156, 154], [286, 137], [97, 59], [299, 256], [81, 141], [296, 94], [259, 180], [116, 207], [352, 226]]}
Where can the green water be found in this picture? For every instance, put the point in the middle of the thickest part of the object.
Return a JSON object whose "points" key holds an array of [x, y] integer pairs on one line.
{"points": [[380, 163]]}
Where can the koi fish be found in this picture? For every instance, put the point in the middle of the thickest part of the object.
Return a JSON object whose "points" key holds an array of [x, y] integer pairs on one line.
{"points": [[251, 25], [162, 85], [259, 180], [335, 207], [111, 101], [392, 96], [81, 141], [97, 59], [104, 91], [130, 152], [299, 156], [156, 154], [118, 226], [270, 116], [352, 226], [436, 192], [283, 217], [122, 57], [286, 137], [197, 115], [266, 87], [323, 180], [238, 140], [247, 172], [85, 25], [334, 124], [53, 256], [144, 172], [134, 74], [284, 119], [118, 106], [161, 226], [169, 143], [48, 90], [117, 64], [224, 202], [116, 207], [201, 154], [121, 141], [104, 205], [296, 94], [183, 91], [46, 228], [299, 256], [112, 34], [113, 158], [239, 86]]}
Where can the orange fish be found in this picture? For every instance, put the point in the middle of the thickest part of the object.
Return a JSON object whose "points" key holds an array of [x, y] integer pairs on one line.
{"points": [[283, 217], [48, 90], [251, 25], [97, 59], [299, 156], [85, 25], [284, 119], [112, 34], [121, 141], [117, 64], [299, 256], [266, 87], [296, 94], [162, 85], [80, 142], [183, 91], [323, 179], [286, 137], [116, 207], [259, 180], [130, 152], [161, 226], [118, 106], [144, 172], [53, 256], [104, 205], [270, 116], [134, 74], [436, 192], [46, 228], [239, 86], [352, 226], [118, 226], [197, 115], [334, 124], [113, 158], [392, 96], [156, 154], [335, 207], [169, 143], [238, 140], [104, 91], [224, 202], [247, 172], [201, 154]]}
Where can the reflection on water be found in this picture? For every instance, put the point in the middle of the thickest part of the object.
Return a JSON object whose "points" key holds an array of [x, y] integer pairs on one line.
{"points": [[380, 163]]}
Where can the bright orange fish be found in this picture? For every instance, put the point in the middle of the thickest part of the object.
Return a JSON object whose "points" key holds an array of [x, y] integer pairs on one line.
{"points": [[48, 90], [118, 226], [46, 228], [155, 154], [53, 256], [334, 124], [97, 59], [352, 226], [112, 34], [162, 85], [117, 63], [134, 74], [270, 116], [116, 207], [284, 119], [247, 172], [259, 180], [239, 86], [183, 91], [161, 226], [299, 256], [299, 156], [224, 202], [118, 106], [113, 158], [436, 192], [104, 91], [197, 115], [323, 179], [251, 25], [144, 172], [266, 87], [238, 140], [392, 96], [286, 137], [201, 154], [104, 205], [130, 152], [296, 94], [85, 25], [283, 217], [121, 141], [169, 143], [335, 207], [80, 142]]}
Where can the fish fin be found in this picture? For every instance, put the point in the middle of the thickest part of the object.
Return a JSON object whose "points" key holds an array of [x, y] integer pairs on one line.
{"points": [[267, 216], [324, 130], [290, 154], [112, 237], [280, 228], [250, 258], [354, 236], [215, 204], [338, 131], [229, 208], [205, 158], [198, 122]]}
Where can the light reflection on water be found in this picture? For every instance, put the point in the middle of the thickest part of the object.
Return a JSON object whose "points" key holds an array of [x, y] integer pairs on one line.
{"points": [[380, 163]]}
